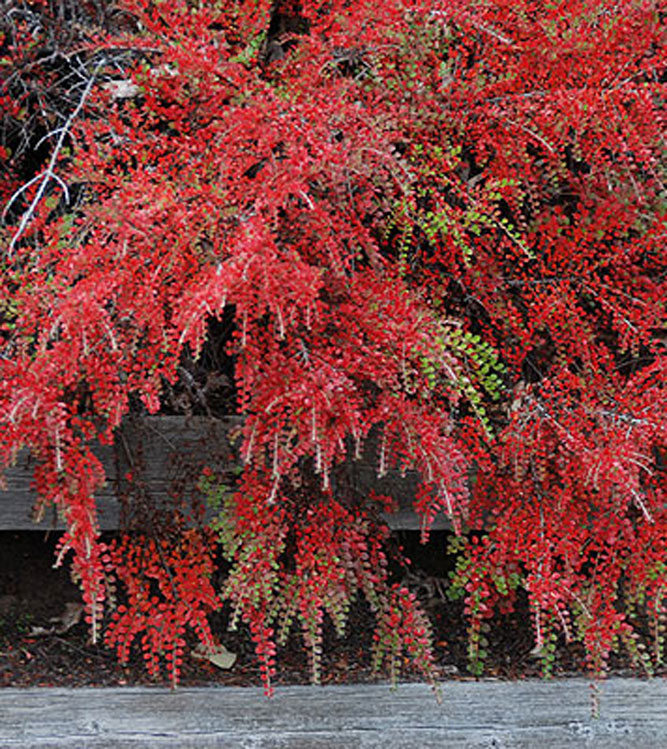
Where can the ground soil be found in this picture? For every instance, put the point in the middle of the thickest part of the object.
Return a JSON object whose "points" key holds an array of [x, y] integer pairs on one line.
{"points": [[41, 646]]}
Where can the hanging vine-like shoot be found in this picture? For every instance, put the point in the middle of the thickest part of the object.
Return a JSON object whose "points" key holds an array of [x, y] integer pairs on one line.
{"points": [[434, 227]]}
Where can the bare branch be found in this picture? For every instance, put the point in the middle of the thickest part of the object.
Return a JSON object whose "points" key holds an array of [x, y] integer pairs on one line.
{"points": [[477, 25], [49, 173]]}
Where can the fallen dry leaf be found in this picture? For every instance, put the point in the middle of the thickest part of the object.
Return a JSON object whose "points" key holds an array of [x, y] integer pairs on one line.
{"points": [[219, 655]]}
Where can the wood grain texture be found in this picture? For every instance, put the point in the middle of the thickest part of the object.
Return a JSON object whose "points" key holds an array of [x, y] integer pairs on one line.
{"points": [[527, 714], [157, 449], [154, 449]]}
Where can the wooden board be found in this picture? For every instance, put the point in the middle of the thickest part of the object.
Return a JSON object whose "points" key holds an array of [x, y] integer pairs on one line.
{"points": [[527, 714], [155, 450]]}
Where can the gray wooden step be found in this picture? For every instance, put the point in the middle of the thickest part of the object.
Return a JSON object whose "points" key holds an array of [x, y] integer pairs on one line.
{"points": [[526, 714]]}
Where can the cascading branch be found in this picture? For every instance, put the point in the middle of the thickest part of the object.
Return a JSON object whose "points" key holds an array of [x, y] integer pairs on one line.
{"points": [[440, 224]]}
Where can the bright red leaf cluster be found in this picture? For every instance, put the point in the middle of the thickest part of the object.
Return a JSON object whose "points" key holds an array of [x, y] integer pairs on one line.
{"points": [[167, 590], [441, 225]]}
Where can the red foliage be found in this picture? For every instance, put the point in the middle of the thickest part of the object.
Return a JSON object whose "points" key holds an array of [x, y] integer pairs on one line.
{"points": [[440, 223], [167, 589]]}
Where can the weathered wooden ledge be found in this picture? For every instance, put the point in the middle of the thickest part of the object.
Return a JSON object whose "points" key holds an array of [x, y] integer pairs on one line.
{"points": [[544, 714]]}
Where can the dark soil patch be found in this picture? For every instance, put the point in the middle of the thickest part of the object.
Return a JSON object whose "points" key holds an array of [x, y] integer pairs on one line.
{"points": [[39, 645]]}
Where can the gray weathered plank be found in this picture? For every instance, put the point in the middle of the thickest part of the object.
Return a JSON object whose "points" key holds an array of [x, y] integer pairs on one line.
{"points": [[154, 449], [519, 715]]}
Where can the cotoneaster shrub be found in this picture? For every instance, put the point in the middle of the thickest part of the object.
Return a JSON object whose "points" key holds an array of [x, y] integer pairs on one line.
{"points": [[437, 224]]}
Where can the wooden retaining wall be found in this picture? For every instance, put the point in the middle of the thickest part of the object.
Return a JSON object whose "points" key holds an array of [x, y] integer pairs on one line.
{"points": [[157, 450], [508, 715], [504, 715]]}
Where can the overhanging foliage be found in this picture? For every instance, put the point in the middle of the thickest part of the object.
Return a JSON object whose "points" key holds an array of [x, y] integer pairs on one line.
{"points": [[441, 223]]}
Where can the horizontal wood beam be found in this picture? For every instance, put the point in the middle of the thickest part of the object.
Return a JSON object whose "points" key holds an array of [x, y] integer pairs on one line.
{"points": [[165, 455], [527, 714]]}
